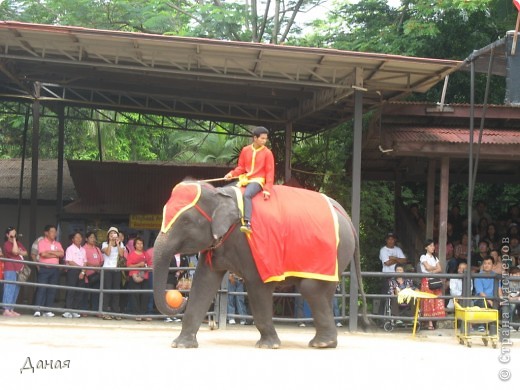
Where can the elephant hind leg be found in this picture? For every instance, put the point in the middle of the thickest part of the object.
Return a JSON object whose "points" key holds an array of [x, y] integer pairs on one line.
{"points": [[319, 295]]}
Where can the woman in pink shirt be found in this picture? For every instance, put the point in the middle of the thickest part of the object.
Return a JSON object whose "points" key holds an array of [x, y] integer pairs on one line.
{"points": [[137, 280], [94, 259], [12, 250]]}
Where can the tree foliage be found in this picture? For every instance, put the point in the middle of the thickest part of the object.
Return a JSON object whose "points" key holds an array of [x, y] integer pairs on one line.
{"points": [[245, 20]]}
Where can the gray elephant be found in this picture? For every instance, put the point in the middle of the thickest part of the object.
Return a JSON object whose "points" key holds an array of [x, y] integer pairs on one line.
{"points": [[204, 222]]}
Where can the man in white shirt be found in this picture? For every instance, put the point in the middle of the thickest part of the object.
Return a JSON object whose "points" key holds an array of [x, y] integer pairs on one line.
{"points": [[390, 254]]}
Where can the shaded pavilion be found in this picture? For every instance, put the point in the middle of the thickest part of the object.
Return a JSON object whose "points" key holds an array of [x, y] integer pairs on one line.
{"points": [[295, 91], [423, 142]]}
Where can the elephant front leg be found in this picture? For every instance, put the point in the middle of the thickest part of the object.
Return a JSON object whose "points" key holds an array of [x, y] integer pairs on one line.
{"points": [[205, 286], [261, 303]]}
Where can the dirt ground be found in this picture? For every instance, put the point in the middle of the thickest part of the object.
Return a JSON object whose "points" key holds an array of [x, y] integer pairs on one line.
{"points": [[133, 355]]}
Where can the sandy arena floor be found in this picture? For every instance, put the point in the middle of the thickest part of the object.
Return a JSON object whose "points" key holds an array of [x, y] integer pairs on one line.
{"points": [[131, 355]]}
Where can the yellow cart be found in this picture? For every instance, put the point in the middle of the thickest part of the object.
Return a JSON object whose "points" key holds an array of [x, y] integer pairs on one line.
{"points": [[475, 315]]}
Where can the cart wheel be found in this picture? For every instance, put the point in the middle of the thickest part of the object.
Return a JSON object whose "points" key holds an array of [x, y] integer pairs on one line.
{"points": [[388, 326], [485, 341]]}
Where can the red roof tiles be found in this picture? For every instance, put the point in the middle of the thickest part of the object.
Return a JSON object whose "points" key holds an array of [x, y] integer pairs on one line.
{"points": [[453, 135]]}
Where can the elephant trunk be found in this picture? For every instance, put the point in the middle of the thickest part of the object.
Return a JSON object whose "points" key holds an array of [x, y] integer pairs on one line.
{"points": [[161, 263]]}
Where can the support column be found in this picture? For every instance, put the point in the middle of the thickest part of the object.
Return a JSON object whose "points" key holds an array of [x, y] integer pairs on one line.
{"points": [[356, 201], [443, 210], [288, 151], [397, 197], [466, 284], [61, 148], [33, 210], [22, 168], [430, 198]]}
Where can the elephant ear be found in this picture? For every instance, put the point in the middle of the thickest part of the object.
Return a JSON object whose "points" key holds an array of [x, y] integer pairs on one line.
{"points": [[225, 214]]}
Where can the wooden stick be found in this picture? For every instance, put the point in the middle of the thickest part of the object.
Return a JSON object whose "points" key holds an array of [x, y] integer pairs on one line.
{"points": [[515, 37], [217, 179]]}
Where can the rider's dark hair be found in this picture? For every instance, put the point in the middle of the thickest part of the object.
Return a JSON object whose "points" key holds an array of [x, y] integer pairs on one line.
{"points": [[258, 131]]}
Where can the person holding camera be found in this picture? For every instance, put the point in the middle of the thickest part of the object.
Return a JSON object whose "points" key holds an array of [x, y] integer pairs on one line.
{"points": [[112, 249], [13, 249]]}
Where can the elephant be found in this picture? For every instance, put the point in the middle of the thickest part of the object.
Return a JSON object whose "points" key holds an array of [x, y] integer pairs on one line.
{"points": [[208, 228]]}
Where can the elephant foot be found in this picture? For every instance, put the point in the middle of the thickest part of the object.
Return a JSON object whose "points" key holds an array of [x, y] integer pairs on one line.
{"points": [[318, 343], [269, 343], [183, 342]]}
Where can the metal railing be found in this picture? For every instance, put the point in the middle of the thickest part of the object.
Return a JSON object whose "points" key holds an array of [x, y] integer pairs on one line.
{"points": [[219, 311]]}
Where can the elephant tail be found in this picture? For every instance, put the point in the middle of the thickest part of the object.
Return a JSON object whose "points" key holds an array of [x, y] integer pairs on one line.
{"points": [[357, 261]]}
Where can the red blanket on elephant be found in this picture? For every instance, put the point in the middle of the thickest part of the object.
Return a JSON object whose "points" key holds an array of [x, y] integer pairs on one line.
{"points": [[295, 233]]}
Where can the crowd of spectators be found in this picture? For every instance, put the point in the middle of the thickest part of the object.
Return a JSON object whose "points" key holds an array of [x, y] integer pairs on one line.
{"points": [[80, 253], [495, 250]]}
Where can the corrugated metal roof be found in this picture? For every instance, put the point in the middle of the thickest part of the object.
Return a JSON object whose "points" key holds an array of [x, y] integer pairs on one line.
{"points": [[238, 82], [47, 180], [453, 135], [123, 188]]}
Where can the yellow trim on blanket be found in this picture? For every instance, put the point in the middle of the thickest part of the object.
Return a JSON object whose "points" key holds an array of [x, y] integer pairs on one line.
{"points": [[164, 229], [304, 275]]}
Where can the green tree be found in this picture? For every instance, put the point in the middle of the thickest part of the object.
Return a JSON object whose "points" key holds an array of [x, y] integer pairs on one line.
{"points": [[247, 20]]}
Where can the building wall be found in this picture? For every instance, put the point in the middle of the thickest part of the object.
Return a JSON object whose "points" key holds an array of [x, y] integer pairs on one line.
{"points": [[9, 215]]}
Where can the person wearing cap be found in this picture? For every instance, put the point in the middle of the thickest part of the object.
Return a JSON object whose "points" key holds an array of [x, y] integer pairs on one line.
{"points": [[112, 249], [390, 254], [255, 171]]}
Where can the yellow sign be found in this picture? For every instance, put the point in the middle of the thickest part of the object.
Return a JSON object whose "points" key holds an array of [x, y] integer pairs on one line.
{"points": [[146, 221]]}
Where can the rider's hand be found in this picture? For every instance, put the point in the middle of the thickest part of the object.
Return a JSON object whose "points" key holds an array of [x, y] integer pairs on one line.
{"points": [[267, 195], [228, 176]]}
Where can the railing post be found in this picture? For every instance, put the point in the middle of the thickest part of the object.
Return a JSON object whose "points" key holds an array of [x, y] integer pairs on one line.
{"points": [[221, 304]]}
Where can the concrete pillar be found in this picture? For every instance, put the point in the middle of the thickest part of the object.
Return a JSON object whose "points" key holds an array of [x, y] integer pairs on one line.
{"points": [[61, 152], [288, 151], [33, 209], [430, 198], [356, 200], [443, 211]]}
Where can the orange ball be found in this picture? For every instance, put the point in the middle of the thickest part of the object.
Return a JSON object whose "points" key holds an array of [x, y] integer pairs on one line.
{"points": [[174, 298]]}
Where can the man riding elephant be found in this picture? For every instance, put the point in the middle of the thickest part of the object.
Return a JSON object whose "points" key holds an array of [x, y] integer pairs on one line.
{"points": [[255, 171]]}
